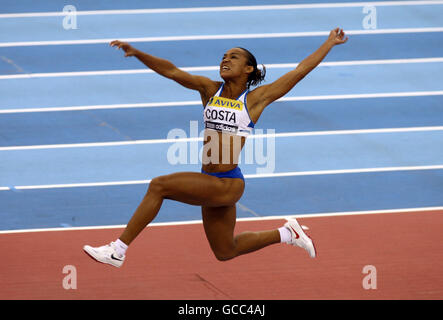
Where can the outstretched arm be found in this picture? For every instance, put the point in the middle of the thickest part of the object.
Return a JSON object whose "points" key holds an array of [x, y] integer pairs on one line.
{"points": [[168, 69], [267, 94]]}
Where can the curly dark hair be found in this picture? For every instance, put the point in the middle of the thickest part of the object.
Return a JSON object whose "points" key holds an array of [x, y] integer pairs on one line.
{"points": [[256, 76]]}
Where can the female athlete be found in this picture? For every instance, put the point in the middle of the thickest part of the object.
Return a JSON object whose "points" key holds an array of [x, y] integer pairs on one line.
{"points": [[230, 112]]}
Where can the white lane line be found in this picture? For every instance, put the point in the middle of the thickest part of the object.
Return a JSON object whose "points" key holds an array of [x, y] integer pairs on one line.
{"points": [[101, 73], [197, 139], [225, 9], [198, 102], [247, 176], [216, 68], [343, 171], [279, 217], [218, 37], [83, 185], [105, 106], [365, 95]]}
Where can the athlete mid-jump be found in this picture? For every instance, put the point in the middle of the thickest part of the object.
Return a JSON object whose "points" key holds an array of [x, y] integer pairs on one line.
{"points": [[230, 112]]}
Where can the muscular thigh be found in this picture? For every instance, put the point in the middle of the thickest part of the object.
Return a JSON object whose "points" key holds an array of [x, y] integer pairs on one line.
{"points": [[199, 189]]}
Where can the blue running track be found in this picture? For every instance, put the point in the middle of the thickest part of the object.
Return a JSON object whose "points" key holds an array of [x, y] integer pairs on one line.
{"points": [[83, 129]]}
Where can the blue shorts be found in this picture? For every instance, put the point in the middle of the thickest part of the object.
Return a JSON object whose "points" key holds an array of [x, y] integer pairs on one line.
{"points": [[234, 173]]}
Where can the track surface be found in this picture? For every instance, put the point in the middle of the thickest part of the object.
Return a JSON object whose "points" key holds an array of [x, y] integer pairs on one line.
{"points": [[176, 263]]}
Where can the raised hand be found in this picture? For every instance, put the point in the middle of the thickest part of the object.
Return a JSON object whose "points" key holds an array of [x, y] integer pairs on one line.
{"points": [[127, 48], [337, 36]]}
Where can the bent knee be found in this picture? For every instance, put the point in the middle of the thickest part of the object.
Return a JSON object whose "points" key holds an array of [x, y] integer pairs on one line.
{"points": [[224, 255], [158, 185]]}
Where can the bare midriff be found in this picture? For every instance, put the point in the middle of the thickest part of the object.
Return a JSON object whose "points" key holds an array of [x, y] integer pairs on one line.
{"points": [[221, 151]]}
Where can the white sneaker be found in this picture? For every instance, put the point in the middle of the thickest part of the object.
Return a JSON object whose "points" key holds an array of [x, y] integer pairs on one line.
{"points": [[299, 237], [105, 254]]}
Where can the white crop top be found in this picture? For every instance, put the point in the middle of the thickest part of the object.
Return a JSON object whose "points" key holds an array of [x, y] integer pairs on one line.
{"points": [[228, 115]]}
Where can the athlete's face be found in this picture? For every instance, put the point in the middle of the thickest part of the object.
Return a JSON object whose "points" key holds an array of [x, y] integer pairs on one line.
{"points": [[234, 64]]}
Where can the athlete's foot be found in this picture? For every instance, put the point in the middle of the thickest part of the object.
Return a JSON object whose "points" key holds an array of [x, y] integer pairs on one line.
{"points": [[300, 238], [105, 254]]}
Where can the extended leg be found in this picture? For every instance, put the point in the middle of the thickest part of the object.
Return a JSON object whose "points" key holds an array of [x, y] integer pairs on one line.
{"points": [[219, 224], [187, 187]]}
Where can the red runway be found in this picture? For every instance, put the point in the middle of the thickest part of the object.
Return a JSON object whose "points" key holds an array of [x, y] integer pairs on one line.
{"points": [[175, 262]]}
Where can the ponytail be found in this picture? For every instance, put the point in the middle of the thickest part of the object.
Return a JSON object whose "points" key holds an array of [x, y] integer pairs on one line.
{"points": [[257, 76]]}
